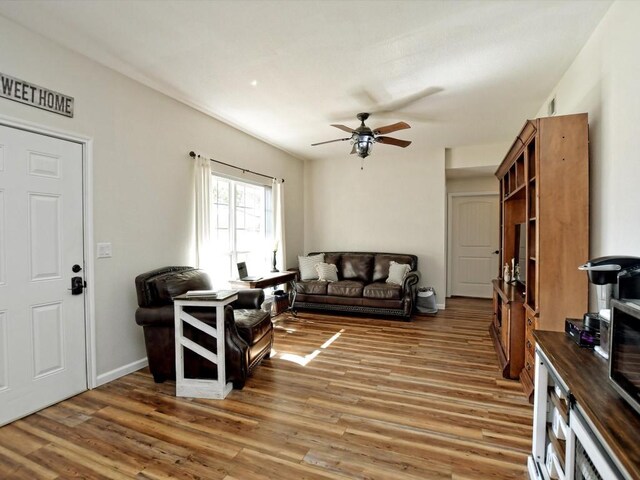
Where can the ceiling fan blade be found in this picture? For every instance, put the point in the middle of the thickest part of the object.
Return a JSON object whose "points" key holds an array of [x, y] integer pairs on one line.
{"points": [[391, 128], [344, 127], [353, 149], [409, 99], [331, 141], [393, 141], [365, 98]]}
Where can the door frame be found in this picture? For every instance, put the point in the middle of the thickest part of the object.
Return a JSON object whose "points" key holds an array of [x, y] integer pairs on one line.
{"points": [[87, 226], [450, 197]]}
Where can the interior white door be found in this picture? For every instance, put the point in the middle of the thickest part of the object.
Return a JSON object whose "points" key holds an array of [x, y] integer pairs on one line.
{"points": [[42, 324], [474, 241]]}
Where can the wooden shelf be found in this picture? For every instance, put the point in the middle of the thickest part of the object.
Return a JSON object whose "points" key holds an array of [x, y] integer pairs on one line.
{"points": [[542, 193], [560, 404], [513, 193], [509, 292], [558, 445]]}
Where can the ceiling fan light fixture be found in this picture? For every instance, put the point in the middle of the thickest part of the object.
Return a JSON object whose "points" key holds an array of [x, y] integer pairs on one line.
{"points": [[363, 138], [364, 145]]}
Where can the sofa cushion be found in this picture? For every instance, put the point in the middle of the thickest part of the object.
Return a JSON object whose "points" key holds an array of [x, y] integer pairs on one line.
{"points": [[329, 300], [397, 272], [333, 258], [312, 287], [385, 291], [382, 261], [173, 284], [252, 324], [356, 266], [345, 288], [307, 266], [327, 272]]}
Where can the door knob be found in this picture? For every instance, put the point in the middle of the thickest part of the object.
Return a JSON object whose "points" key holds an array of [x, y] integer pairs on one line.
{"points": [[496, 252], [77, 285]]}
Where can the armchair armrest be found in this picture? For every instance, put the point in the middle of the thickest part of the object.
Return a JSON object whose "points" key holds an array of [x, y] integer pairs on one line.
{"points": [[251, 298], [409, 291], [411, 280]]}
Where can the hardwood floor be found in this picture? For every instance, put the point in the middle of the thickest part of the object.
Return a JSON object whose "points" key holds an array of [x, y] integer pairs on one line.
{"points": [[342, 398]]}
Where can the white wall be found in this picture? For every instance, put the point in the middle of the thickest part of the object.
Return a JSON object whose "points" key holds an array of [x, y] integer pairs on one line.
{"points": [[142, 173], [604, 81], [396, 204], [477, 156], [477, 184]]}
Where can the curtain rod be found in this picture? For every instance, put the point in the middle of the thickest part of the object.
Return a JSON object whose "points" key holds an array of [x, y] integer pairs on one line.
{"points": [[193, 154]]}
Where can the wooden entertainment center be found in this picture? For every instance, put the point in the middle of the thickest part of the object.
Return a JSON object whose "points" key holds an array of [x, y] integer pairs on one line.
{"points": [[544, 191]]}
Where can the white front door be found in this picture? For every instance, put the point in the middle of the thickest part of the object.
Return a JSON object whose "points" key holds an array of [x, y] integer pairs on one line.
{"points": [[42, 324], [474, 241]]}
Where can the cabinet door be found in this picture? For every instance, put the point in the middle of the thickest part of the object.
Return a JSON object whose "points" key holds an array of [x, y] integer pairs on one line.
{"points": [[505, 331], [497, 311]]}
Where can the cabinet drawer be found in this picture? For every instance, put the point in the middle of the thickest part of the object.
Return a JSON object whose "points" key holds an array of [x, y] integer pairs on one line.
{"points": [[529, 365], [530, 322], [529, 342], [530, 345]]}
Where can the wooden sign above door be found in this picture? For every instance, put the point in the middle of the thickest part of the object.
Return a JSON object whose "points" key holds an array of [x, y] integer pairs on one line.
{"points": [[30, 94]]}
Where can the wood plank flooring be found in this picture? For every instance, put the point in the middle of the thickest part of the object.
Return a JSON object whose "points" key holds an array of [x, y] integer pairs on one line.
{"points": [[342, 397]]}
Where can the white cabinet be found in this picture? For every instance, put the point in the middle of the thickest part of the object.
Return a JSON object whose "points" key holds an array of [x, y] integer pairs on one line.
{"points": [[551, 412], [564, 445]]}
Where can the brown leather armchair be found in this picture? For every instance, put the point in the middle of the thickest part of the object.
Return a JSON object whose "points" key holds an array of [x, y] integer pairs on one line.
{"points": [[248, 330]]}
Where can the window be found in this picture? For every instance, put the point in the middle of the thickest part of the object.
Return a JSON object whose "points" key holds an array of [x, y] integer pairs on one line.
{"points": [[241, 227]]}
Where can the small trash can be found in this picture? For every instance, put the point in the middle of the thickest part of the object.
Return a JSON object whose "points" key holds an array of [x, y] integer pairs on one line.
{"points": [[426, 301], [280, 302]]}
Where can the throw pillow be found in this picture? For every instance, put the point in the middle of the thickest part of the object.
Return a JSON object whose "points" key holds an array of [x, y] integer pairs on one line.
{"points": [[307, 266], [397, 272], [327, 272]]}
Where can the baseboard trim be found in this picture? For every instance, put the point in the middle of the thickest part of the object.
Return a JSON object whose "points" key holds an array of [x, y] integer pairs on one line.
{"points": [[441, 306], [121, 371]]}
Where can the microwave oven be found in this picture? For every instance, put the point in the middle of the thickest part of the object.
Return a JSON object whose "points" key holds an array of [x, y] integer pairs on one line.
{"points": [[624, 350]]}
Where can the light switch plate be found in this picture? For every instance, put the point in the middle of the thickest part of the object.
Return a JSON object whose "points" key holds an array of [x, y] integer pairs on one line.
{"points": [[104, 250]]}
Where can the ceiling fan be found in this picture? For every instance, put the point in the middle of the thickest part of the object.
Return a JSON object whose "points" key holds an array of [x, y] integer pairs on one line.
{"points": [[363, 137]]}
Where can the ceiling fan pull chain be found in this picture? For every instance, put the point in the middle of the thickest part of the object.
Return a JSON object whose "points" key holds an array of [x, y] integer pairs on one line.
{"points": [[362, 164]]}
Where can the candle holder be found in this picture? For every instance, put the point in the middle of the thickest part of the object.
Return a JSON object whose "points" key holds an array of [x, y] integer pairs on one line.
{"points": [[274, 269]]}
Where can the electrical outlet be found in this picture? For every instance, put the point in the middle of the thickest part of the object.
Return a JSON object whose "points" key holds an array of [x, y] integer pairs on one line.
{"points": [[104, 250]]}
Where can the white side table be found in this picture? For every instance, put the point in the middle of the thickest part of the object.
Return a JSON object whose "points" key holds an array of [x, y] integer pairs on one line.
{"points": [[195, 387]]}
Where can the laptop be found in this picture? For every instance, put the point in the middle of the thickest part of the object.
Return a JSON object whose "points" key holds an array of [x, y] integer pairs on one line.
{"points": [[242, 273]]}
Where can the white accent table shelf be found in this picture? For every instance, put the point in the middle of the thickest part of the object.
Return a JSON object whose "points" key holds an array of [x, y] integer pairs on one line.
{"points": [[195, 387]]}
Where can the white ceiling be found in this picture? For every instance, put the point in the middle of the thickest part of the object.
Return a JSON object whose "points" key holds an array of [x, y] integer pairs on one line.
{"points": [[491, 63]]}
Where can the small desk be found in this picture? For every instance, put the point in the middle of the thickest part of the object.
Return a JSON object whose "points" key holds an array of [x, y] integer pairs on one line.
{"points": [[271, 280], [195, 387]]}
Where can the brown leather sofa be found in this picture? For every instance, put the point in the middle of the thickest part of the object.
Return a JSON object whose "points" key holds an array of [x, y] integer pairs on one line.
{"points": [[361, 285], [248, 330]]}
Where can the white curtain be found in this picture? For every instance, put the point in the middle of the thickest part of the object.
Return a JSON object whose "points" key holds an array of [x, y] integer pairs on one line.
{"points": [[202, 183], [279, 225]]}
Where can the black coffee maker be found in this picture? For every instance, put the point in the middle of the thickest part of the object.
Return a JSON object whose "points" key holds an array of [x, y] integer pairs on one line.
{"points": [[614, 277]]}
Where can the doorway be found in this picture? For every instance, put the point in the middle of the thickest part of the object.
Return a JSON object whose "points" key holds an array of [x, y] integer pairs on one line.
{"points": [[43, 320], [473, 244]]}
